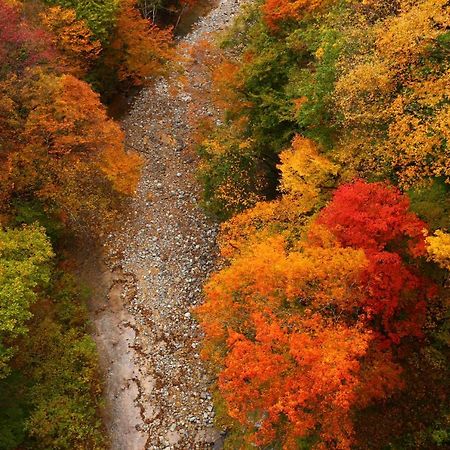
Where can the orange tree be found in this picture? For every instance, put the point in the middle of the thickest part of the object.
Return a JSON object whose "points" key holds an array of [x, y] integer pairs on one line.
{"points": [[304, 331], [71, 36], [139, 49], [65, 151]]}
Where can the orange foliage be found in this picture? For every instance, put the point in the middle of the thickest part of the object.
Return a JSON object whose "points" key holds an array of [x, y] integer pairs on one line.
{"points": [[226, 84], [294, 371], [66, 146], [276, 11], [291, 378], [139, 48], [267, 275], [301, 325], [72, 38], [218, 80], [121, 168], [66, 117]]}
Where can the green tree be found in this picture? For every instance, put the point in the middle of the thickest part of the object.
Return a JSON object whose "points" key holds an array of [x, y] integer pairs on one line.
{"points": [[24, 267]]}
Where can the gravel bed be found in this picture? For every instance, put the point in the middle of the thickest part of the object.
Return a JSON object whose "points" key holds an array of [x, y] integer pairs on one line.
{"points": [[158, 395]]}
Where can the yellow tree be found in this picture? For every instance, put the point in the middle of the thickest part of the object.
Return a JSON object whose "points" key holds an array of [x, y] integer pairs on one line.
{"points": [[438, 247], [393, 96], [304, 172]]}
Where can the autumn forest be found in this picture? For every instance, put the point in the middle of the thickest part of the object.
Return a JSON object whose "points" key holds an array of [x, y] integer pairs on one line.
{"points": [[326, 167]]}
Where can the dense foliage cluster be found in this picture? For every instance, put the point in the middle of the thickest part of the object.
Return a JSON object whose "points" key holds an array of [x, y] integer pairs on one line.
{"points": [[65, 171], [351, 76], [327, 326], [315, 321]]}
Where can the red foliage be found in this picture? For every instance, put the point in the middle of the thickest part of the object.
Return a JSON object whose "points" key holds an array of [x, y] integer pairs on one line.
{"points": [[395, 297], [374, 216], [21, 45]]}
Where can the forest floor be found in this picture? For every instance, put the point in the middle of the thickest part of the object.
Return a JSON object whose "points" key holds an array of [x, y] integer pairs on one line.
{"points": [[156, 386]]}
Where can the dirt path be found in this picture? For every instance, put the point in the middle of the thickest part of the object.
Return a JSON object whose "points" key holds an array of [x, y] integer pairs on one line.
{"points": [[156, 386]]}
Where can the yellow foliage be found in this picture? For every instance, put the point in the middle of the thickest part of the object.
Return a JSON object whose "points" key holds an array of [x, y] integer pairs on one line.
{"points": [[417, 142], [393, 100], [237, 197], [214, 147], [432, 91], [438, 247], [360, 155], [362, 93], [404, 38], [304, 171], [286, 215]]}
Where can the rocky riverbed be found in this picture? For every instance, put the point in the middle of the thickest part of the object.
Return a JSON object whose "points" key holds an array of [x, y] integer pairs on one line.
{"points": [[157, 389]]}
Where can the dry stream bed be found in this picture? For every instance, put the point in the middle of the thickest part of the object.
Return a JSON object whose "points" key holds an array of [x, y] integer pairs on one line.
{"points": [[152, 271]]}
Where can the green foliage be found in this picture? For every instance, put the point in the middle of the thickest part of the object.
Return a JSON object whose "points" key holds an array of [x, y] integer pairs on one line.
{"points": [[441, 436], [315, 83], [286, 82], [13, 411], [100, 16], [64, 413], [230, 179], [50, 397], [33, 212], [62, 364], [24, 267], [54, 392], [265, 72], [432, 203]]}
